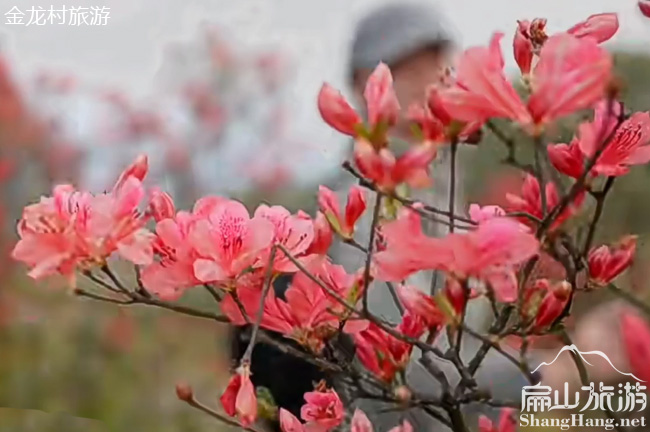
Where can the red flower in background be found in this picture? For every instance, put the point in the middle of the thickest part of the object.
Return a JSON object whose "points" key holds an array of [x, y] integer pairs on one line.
{"points": [[636, 340], [607, 262], [506, 423]]}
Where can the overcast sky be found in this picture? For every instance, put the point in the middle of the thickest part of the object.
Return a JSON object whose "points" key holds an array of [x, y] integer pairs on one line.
{"points": [[125, 54]]}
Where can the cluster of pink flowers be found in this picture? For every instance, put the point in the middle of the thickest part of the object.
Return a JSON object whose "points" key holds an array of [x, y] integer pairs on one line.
{"points": [[223, 245]]}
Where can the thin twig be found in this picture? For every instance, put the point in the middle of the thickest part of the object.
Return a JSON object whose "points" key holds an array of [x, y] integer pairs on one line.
{"points": [[221, 417], [600, 205], [396, 300], [213, 292], [539, 172], [370, 248], [114, 279], [260, 312]]}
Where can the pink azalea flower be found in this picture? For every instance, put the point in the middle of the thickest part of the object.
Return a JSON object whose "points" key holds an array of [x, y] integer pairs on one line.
{"points": [[482, 90], [506, 423], [567, 158], [607, 262], [360, 422], [161, 205], [555, 297], [490, 253], [636, 340], [229, 242], [380, 165], [481, 214], [173, 273], [571, 75], [421, 305], [323, 236], [239, 398], [600, 27], [307, 315], [322, 411], [74, 229], [294, 232], [628, 147], [381, 104], [383, 354], [644, 7], [329, 205], [337, 112], [289, 422], [530, 201]]}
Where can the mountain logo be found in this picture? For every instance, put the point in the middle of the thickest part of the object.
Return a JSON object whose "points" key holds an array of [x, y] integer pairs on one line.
{"points": [[574, 349]]}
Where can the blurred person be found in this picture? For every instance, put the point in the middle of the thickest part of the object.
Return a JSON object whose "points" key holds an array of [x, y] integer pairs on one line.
{"points": [[417, 45]]}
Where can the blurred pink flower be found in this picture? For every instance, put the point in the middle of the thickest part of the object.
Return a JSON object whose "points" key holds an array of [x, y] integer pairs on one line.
{"points": [[644, 7], [607, 262], [600, 27], [506, 423], [239, 398], [636, 340]]}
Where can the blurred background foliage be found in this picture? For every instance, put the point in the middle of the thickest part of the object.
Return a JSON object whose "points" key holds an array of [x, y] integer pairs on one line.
{"points": [[72, 365]]}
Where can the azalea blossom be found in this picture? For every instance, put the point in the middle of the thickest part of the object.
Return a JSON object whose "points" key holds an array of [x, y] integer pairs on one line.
{"points": [[554, 298], [382, 167], [600, 27], [628, 147], [239, 398], [173, 272], [289, 422], [571, 74], [531, 35], [530, 202], [323, 235], [489, 253], [75, 229], [343, 224], [506, 423], [480, 214], [337, 112], [644, 7], [229, 242], [383, 354], [636, 340], [567, 158], [308, 315], [294, 232], [322, 411], [607, 262], [381, 104]]}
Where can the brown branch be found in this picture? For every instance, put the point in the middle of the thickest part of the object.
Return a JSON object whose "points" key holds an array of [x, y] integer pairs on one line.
{"points": [[370, 248], [260, 312]]}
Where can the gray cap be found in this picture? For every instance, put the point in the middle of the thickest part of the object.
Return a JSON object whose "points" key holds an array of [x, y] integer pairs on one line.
{"points": [[393, 32]]}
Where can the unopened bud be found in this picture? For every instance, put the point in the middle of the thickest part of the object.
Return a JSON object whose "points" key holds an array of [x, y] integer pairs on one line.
{"points": [[184, 392], [403, 393]]}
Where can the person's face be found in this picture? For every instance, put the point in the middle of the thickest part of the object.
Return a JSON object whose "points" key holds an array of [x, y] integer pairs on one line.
{"points": [[411, 78]]}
